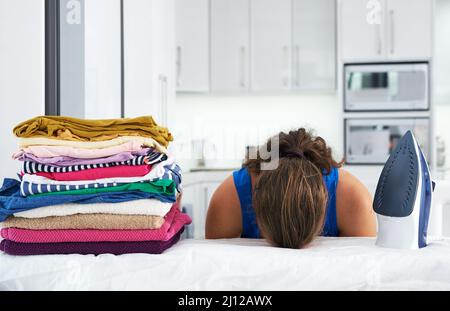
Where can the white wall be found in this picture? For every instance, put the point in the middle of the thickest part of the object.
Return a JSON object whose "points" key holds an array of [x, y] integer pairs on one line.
{"points": [[443, 129], [442, 73], [442, 52], [22, 62], [232, 122]]}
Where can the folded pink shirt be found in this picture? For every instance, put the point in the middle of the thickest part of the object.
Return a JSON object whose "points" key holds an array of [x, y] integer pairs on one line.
{"points": [[100, 173], [79, 153], [174, 222]]}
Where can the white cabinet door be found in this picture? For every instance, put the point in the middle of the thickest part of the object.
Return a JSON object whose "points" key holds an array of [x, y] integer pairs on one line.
{"points": [[410, 29], [207, 191], [271, 42], [195, 201], [149, 51], [163, 55], [362, 38], [138, 73], [230, 33], [314, 45], [22, 75], [192, 45]]}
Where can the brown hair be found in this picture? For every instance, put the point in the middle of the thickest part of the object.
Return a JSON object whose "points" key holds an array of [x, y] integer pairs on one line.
{"points": [[290, 201]]}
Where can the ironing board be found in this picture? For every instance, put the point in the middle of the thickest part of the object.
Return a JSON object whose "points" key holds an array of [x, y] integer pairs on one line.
{"points": [[239, 264]]}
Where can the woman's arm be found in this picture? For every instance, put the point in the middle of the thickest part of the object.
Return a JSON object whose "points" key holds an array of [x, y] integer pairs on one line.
{"points": [[224, 219], [355, 215]]}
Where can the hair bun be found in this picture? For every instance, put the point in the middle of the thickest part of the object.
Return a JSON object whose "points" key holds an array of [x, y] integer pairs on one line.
{"points": [[292, 154], [299, 144]]}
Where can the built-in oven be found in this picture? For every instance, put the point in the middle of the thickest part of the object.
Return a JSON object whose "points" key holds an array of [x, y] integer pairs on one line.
{"points": [[386, 87], [371, 141]]}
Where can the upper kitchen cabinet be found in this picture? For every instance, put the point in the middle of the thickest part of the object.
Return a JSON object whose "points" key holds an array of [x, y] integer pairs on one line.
{"points": [[271, 45], [256, 45], [230, 38], [192, 45], [149, 51], [314, 45], [385, 30], [410, 28], [362, 31]]}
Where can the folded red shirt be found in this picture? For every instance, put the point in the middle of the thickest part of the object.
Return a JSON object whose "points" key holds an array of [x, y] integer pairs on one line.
{"points": [[100, 173]]}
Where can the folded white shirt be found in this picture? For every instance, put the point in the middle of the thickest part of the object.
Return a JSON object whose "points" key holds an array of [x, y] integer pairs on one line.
{"points": [[150, 207]]}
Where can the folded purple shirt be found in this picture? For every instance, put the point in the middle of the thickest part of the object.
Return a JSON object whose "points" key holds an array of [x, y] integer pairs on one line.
{"points": [[88, 248], [68, 161]]}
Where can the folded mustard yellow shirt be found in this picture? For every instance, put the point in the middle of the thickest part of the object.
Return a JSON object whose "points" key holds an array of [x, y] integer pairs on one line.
{"points": [[74, 129]]}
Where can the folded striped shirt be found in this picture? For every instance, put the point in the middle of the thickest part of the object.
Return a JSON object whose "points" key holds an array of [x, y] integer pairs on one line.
{"points": [[149, 159], [171, 172]]}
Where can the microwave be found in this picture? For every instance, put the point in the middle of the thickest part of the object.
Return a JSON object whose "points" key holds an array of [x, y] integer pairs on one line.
{"points": [[371, 141], [386, 87]]}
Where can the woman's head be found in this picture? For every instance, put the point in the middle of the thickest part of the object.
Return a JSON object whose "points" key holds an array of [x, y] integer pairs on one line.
{"points": [[290, 201]]}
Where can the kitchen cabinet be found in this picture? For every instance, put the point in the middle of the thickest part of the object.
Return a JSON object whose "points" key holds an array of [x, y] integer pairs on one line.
{"points": [[198, 188], [102, 64], [271, 45], [256, 45], [192, 45], [410, 29], [387, 31], [230, 38], [195, 203], [314, 52], [361, 40], [163, 41], [149, 48]]}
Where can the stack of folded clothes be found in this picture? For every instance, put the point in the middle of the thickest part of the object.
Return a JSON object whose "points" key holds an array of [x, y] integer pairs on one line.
{"points": [[92, 187]]}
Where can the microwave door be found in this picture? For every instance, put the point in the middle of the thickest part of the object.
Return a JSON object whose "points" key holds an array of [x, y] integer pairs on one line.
{"points": [[367, 90], [386, 87], [368, 145], [371, 141]]}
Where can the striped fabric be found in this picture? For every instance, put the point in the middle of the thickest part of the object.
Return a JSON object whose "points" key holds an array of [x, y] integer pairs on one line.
{"points": [[33, 167], [171, 172]]}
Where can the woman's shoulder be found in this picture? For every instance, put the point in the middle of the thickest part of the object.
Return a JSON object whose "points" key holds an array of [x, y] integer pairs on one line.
{"points": [[354, 206], [224, 213]]}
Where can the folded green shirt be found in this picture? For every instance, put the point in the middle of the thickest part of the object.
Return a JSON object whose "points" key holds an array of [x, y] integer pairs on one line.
{"points": [[162, 186]]}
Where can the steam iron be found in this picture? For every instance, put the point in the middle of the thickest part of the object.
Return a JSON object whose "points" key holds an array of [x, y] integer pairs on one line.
{"points": [[403, 197]]}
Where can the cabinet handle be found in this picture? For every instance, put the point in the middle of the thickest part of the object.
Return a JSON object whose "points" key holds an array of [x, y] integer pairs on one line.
{"points": [[379, 40], [163, 99], [297, 66], [243, 57], [285, 73], [392, 26], [178, 66]]}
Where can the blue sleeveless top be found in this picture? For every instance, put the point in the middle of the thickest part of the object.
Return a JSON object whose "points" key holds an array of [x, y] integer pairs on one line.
{"points": [[250, 230]]}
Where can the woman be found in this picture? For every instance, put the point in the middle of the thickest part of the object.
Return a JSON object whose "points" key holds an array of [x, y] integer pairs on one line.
{"points": [[307, 195]]}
